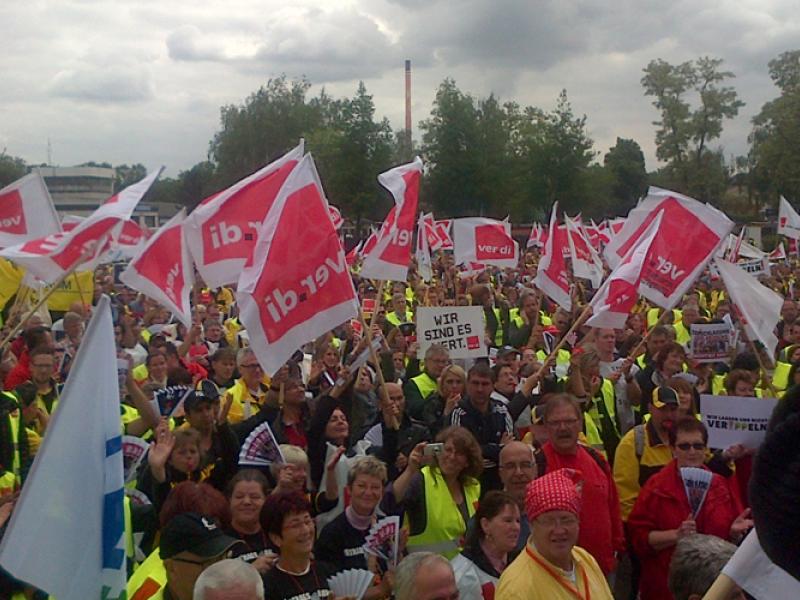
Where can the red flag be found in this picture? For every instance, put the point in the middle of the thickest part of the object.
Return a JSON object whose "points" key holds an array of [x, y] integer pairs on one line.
{"points": [[26, 211], [163, 269], [392, 253], [222, 230], [298, 286], [536, 237], [551, 276], [779, 253], [336, 217], [443, 232], [689, 234], [614, 301], [485, 241], [586, 264], [369, 243], [354, 253], [423, 251], [48, 258]]}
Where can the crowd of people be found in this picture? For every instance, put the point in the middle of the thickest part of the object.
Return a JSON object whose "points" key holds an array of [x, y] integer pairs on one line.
{"points": [[511, 480]]}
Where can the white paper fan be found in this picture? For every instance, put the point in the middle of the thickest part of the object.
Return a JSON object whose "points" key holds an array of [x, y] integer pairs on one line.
{"points": [[696, 482], [352, 583]]}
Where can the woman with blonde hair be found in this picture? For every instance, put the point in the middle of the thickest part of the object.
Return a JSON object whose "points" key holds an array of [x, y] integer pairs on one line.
{"points": [[439, 405]]}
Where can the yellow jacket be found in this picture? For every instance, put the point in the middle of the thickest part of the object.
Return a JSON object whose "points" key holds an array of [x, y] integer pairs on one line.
{"points": [[632, 471]]}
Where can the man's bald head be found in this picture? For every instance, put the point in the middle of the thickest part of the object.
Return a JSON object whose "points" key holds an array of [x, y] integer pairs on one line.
{"points": [[517, 468]]}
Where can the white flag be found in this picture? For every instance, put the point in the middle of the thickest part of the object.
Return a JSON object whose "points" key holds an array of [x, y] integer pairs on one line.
{"points": [[615, 300], [26, 211], [753, 571], [788, 220], [66, 531], [758, 307], [163, 270], [551, 276], [485, 241], [423, 252], [586, 264]]}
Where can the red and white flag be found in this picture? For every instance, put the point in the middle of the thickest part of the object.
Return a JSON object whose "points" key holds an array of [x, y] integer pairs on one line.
{"points": [[388, 260], [758, 307], [551, 276], [788, 220], [586, 264], [689, 235], [70, 222], [423, 251], [614, 301], [26, 211], [536, 236], [354, 254], [336, 217], [485, 241], [443, 229], [163, 269], [48, 258], [428, 228], [369, 243], [779, 253], [737, 246], [297, 286], [222, 230]]}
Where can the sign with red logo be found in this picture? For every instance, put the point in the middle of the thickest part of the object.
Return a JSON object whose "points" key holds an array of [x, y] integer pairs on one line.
{"points": [[459, 329], [485, 241], [298, 285]]}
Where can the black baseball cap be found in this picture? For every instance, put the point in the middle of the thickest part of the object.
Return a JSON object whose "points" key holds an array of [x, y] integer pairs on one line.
{"points": [[506, 351], [662, 396], [206, 391], [198, 534]]}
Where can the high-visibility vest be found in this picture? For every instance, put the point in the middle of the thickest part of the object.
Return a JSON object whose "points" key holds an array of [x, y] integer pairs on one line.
{"points": [[444, 525], [682, 333], [780, 378], [395, 320], [516, 318], [244, 404], [15, 419], [148, 581], [595, 413], [562, 361], [8, 483], [426, 384]]}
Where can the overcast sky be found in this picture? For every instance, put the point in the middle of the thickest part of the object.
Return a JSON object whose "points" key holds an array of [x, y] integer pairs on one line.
{"points": [[131, 81]]}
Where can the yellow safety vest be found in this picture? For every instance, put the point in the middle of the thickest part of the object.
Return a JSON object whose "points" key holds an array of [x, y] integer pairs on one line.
{"points": [[8, 483], [148, 581], [516, 318], [244, 404], [395, 320], [682, 333], [780, 378], [444, 525], [426, 384]]}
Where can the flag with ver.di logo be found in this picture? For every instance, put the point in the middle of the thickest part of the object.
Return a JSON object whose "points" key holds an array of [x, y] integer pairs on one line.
{"points": [[298, 286], [485, 241], [26, 211]]}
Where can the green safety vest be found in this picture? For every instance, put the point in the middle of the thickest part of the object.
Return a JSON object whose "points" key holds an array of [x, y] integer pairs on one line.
{"points": [[780, 378], [605, 417], [444, 525], [148, 581], [395, 320]]}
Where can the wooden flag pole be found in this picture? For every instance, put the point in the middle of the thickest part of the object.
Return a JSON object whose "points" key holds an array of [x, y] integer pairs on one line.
{"points": [[41, 301], [764, 377], [374, 355], [633, 353], [721, 588], [554, 352]]}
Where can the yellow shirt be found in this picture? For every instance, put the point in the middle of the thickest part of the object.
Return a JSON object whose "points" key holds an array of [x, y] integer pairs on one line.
{"points": [[244, 403], [527, 578]]}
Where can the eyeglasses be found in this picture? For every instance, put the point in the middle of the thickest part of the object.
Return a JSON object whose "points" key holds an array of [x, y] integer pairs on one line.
{"points": [[553, 522], [686, 446], [253, 366], [522, 466]]}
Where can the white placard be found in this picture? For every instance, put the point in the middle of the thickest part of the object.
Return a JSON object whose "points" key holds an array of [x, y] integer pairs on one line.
{"points": [[736, 420], [711, 342], [460, 329]]}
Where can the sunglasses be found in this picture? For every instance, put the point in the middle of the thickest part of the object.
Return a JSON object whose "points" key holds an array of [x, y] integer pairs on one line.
{"points": [[687, 446]]}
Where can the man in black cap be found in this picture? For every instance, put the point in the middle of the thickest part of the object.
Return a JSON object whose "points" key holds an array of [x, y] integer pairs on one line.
{"points": [[190, 543], [218, 442]]}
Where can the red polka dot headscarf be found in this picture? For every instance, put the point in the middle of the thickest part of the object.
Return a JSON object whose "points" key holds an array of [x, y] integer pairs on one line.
{"points": [[559, 490]]}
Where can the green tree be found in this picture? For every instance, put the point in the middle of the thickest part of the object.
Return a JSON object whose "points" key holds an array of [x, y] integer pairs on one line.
{"points": [[128, 175], [683, 133], [266, 125], [196, 184], [774, 153], [625, 165], [11, 168]]}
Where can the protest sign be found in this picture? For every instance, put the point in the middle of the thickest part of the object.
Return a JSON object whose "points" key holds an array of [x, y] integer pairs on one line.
{"points": [[711, 342], [459, 329], [757, 267], [736, 420]]}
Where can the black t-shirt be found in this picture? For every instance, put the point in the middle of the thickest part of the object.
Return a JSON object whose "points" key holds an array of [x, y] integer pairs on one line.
{"points": [[342, 544], [255, 545], [313, 585]]}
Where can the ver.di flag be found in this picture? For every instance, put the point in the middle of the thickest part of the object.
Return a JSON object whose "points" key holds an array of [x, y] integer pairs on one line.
{"points": [[222, 230], [586, 264], [297, 286], [26, 211], [66, 534], [688, 237], [423, 252], [50, 257], [485, 241], [551, 276], [163, 270], [389, 259], [788, 220], [754, 572], [614, 301], [758, 307]]}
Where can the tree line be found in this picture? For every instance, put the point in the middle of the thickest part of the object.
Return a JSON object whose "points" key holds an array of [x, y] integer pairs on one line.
{"points": [[493, 158]]}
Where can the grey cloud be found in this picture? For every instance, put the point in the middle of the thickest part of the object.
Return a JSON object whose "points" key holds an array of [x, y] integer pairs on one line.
{"points": [[188, 43], [117, 84]]}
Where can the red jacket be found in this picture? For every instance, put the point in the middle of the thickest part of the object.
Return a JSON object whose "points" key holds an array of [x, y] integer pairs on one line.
{"points": [[601, 530], [20, 373], [662, 505]]}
